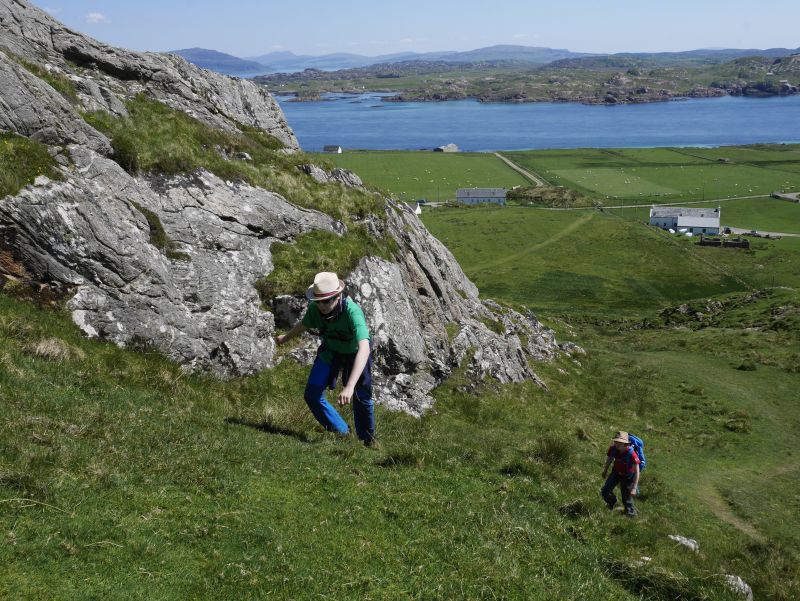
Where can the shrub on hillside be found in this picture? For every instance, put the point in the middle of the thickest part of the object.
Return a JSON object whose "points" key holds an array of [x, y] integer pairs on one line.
{"points": [[557, 196]]}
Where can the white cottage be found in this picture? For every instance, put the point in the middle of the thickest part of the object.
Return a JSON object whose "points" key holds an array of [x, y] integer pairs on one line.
{"points": [[694, 220]]}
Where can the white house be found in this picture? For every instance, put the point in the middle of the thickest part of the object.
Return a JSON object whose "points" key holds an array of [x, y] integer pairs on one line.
{"points": [[474, 196], [332, 148], [696, 221]]}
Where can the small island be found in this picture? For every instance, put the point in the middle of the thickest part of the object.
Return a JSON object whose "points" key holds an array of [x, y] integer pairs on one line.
{"points": [[612, 79]]}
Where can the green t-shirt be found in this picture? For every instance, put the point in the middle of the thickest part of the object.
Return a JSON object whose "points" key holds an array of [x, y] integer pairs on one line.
{"points": [[340, 335]]}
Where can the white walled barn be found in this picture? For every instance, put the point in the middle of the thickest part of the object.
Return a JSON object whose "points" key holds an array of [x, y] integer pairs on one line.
{"points": [[474, 196], [696, 221]]}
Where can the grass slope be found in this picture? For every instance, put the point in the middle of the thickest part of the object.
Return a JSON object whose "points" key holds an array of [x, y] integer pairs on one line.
{"points": [[429, 175], [123, 478]]}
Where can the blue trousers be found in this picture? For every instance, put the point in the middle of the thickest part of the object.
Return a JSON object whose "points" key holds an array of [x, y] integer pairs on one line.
{"points": [[625, 483], [323, 375]]}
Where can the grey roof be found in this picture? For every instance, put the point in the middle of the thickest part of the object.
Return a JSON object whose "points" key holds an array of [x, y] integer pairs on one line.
{"points": [[682, 212], [481, 193], [692, 221]]}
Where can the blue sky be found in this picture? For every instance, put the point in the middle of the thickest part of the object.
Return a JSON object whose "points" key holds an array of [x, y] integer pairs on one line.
{"points": [[253, 27]]}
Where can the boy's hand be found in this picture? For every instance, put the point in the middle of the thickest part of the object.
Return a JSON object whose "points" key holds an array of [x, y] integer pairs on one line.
{"points": [[280, 338], [345, 395], [634, 489]]}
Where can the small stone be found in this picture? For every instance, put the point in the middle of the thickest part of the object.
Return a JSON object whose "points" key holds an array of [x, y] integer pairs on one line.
{"points": [[739, 586], [686, 542]]}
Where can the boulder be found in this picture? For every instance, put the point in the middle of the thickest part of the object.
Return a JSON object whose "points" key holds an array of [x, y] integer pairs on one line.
{"points": [[739, 586], [199, 306]]}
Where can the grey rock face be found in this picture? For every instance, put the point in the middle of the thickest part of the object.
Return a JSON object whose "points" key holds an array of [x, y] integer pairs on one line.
{"points": [[201, 308], [105, 75], [32, 108], [341, 176], [410, 306]]}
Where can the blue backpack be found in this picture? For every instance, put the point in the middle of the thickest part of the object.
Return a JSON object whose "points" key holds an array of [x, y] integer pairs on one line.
{"points": [[638, 446]]}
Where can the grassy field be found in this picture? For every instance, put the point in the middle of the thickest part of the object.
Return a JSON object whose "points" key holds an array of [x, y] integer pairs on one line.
{"points": [[663, 175], [429, 175], [558, 261]]}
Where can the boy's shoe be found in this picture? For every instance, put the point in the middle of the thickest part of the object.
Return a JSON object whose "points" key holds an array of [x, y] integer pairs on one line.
{"points": [[610, 506], [373, 444], [631, 513]]}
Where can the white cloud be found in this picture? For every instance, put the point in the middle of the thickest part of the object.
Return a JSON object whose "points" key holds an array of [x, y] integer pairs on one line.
{"points": [[52, 11], [95, 18]]}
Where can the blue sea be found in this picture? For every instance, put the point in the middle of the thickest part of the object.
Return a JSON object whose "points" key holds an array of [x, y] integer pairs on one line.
{"points": [[366, 122]]}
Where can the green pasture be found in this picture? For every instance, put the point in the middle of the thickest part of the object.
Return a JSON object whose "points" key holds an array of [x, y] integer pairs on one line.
{"points": [[589, 261], [767, 214], [663, 175], [430, 175]]}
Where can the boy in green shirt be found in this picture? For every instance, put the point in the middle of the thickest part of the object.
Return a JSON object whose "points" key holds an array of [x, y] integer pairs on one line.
{"points": [[345, 346]]}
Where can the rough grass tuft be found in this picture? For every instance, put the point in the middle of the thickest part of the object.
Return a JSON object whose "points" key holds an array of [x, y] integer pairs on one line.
{"points": [[54, 349], [22, 161], [295, 264]]}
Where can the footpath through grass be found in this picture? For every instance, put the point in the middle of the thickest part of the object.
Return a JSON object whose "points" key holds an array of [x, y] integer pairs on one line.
{"points": [[433, 176]]}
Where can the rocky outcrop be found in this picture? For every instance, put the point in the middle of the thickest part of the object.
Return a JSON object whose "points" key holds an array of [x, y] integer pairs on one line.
{"points": [[103, 75], [93, 232], [427, 319], [171, 263], [30, 107], [336, 175]]}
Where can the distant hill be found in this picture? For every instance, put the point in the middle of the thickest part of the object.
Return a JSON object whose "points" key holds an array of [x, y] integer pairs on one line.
{"points": [[716, 55], [289, 62], [220, 62]]}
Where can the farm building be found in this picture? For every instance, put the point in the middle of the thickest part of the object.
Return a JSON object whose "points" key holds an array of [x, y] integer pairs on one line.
{"points": [[474, 196], [696, 221], [332, 148], [446, 148]]}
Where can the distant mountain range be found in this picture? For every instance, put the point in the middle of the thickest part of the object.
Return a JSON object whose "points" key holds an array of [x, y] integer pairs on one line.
{"points": [[274, 62]]}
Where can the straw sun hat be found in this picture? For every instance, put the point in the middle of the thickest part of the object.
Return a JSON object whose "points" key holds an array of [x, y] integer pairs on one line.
{"points": [[326, 284], [621, 437]]}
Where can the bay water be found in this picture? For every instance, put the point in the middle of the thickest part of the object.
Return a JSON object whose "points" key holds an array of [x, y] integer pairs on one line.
{"points": [[366, 122]]}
